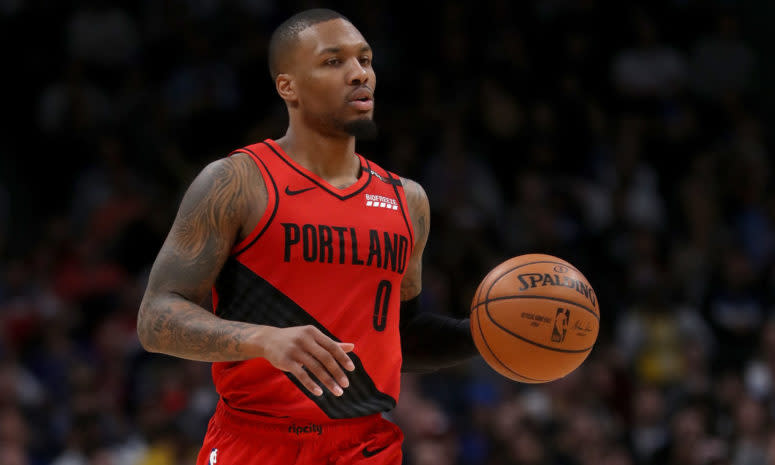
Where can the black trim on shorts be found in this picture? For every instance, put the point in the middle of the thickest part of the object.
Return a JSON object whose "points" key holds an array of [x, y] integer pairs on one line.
{"points": [[245, 296]]}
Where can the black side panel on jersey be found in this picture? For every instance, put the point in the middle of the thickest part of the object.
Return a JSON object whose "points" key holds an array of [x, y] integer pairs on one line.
{"points": [[245, 296]]}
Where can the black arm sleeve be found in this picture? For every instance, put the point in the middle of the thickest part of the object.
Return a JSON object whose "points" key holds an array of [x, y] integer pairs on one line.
{"points": [[430, 341]]}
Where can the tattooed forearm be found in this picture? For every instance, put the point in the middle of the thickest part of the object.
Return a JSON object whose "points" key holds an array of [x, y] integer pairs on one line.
{"points": [[419, 211], [207, 225], [175, 326]]}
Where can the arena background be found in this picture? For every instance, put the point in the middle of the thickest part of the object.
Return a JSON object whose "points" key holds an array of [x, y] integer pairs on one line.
{"points": [[631, 138]]}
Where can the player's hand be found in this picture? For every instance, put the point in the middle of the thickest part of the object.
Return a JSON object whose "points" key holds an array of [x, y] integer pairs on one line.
{"points": [[301, 350]]}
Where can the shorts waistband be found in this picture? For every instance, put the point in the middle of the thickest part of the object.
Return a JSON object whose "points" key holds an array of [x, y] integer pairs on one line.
{"points": [[237, 420]]}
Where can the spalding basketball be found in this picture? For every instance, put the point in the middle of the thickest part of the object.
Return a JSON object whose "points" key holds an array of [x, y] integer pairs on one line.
{"points": [[534, 318]]}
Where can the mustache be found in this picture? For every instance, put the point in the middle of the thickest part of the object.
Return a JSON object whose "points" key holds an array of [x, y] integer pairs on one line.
{"points": [[363, 91]]}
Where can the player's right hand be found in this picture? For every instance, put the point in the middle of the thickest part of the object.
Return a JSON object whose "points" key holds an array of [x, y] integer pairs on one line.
{"points": [[305, 350]]}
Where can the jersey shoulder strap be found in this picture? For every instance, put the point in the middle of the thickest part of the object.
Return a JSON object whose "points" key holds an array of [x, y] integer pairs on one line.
{"points": [[273, 195], [381, 173], [398, 187]]}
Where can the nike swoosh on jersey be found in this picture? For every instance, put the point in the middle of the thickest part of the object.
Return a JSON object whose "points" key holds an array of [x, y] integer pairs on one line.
{"points": [[299, 191], [371, 453]]}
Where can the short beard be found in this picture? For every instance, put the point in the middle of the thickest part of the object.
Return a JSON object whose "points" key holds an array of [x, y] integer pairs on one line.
{"points": [[362, 129]]}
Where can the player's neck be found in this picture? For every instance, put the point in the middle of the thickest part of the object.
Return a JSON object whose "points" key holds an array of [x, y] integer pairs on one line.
{"points": [[328, 157]]}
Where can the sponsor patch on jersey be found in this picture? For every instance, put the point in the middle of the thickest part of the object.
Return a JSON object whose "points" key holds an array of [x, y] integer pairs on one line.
{"points": [[213, 457], [380, 201]]}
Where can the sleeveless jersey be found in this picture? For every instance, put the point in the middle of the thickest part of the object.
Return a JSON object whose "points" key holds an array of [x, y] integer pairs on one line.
{"points": [[321, 256]]}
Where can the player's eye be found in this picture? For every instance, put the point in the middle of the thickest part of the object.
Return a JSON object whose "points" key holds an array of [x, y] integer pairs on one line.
{"points": [[365, 60], [333, 62]]}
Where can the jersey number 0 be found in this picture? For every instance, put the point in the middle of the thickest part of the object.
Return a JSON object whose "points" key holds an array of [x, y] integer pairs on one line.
{"points": [[381, 305]]}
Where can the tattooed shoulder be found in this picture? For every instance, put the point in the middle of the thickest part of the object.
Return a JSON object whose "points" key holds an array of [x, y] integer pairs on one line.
{"points": [[419, 209], [215, 201]]}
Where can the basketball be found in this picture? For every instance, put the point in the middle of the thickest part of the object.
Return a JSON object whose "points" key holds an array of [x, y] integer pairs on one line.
{"points": [[534, 318]]}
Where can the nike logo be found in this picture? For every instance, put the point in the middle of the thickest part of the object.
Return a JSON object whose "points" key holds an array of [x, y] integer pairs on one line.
{"points": [[290, 192], [371, 453]]}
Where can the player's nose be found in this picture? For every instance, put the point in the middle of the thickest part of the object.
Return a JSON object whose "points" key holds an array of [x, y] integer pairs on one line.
{"points": [[358, 74]]}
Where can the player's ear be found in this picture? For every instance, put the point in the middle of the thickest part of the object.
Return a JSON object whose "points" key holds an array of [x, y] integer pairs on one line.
{"points": [[285, 87]]}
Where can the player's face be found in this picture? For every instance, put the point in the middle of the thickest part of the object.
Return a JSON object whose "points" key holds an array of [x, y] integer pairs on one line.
{"points": [[333, 77]]}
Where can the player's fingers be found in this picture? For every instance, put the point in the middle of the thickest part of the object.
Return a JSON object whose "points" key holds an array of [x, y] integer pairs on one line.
{"points": [[341, 355], [301, 374], [336, 350], [330, 363], [322, 374], [346, 346]]}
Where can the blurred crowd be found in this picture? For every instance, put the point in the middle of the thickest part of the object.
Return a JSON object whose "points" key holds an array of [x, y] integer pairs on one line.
{"points": [[630, 138]]}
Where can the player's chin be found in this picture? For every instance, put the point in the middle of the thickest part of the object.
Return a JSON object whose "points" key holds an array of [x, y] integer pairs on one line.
{"points": [[363, 128]]}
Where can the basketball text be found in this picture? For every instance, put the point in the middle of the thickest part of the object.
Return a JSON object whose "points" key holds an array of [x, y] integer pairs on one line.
{"points": [[531, 280]]}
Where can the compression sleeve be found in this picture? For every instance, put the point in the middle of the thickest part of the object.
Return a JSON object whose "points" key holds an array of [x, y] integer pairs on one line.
{"points": [[431, 341]]}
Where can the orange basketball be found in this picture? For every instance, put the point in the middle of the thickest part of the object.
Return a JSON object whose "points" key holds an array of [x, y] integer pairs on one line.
{"points": [[534, 318]]}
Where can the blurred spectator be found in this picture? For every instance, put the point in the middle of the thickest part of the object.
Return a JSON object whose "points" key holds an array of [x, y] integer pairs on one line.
{"points": [[759, 371], [750, 448], [99, 33], [649, 433], [205, 85], [651, 68], [722, 64], [13, 454], [72, 104], [734, 308], [19, 387], [463, 188]]}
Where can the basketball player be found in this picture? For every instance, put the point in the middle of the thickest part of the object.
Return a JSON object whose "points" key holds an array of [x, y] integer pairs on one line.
{"points": [[314, 256]]}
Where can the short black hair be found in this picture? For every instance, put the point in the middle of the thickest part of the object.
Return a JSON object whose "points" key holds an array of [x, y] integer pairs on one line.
{"points": [[287, 33]]}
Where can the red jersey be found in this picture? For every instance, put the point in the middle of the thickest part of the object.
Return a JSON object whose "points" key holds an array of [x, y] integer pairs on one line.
{"points": [[333, 258]]}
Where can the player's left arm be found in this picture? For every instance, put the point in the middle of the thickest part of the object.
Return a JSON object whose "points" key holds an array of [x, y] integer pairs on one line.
{"points": [[429, 341]]}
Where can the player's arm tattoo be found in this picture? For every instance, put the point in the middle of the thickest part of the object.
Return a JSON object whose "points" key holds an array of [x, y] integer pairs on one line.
{"points": [[205, 229], [419, 211]]}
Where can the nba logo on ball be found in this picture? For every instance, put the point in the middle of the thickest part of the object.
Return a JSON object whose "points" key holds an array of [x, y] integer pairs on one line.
{"points": [[213, 457], [560, 324]]}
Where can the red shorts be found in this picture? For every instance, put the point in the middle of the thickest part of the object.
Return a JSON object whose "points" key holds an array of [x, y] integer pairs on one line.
{"points": [[237, 438]]}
